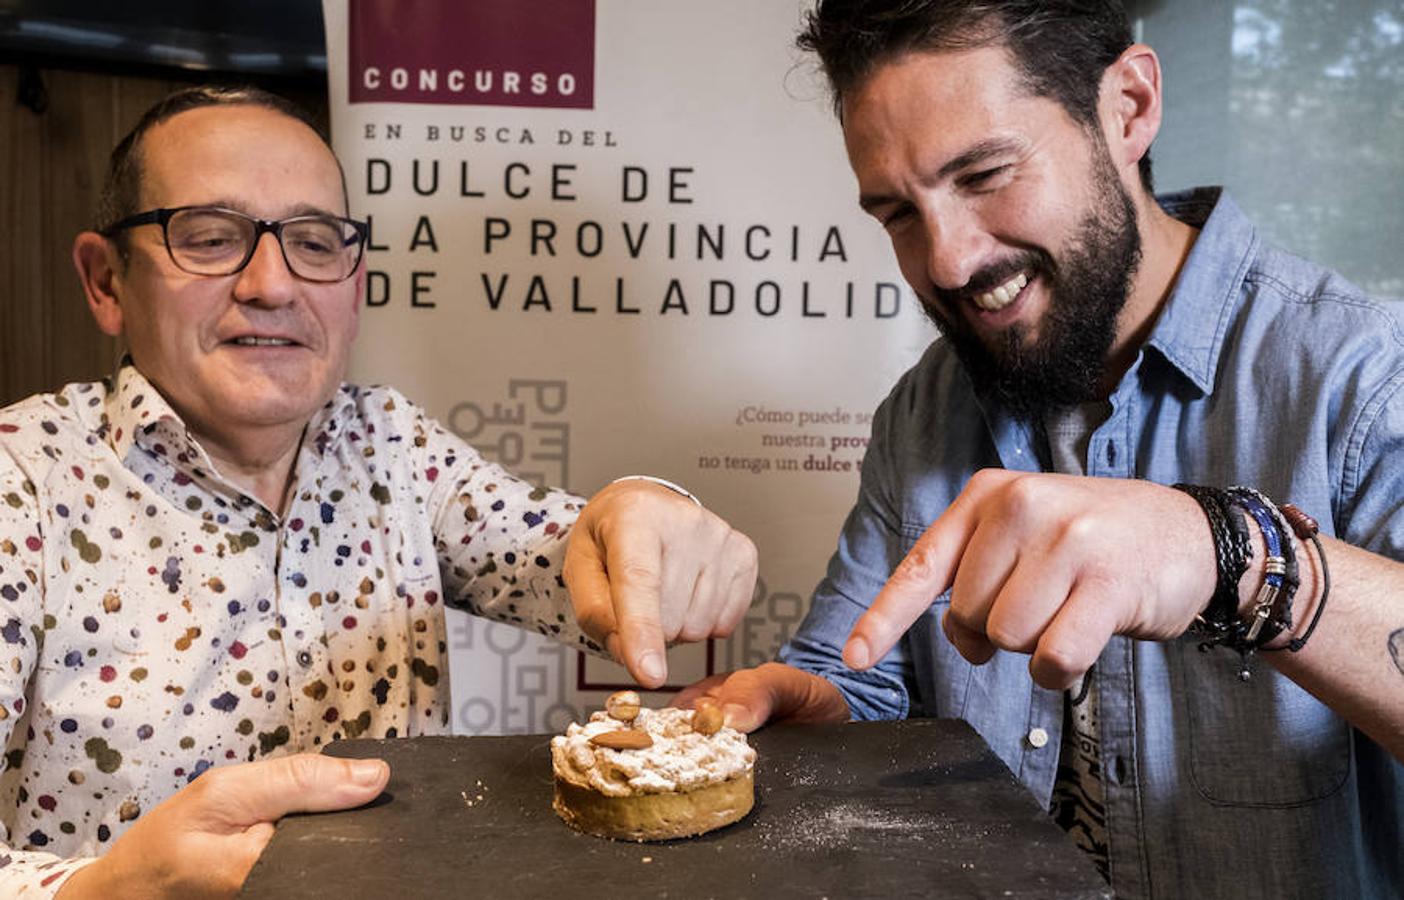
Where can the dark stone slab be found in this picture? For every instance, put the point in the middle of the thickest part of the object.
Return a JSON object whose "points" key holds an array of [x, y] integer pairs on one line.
{"points": [[875, 809]]}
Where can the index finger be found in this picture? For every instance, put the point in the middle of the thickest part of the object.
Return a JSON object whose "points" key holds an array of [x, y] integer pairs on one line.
{"points": [[634, 563], [923, 575]]}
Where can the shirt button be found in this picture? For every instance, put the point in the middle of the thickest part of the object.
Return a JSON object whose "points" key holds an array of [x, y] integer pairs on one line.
{"points": [[1038, 738], [304, 659]]}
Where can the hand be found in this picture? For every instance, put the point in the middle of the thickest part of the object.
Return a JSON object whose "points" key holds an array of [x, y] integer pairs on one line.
{"points": [[203, 840], [646, 566], [773, 692], [1051, 565]]}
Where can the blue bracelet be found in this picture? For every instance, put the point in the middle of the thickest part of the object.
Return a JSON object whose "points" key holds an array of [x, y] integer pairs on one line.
{"points": [[1279, 540], [1274, 566]]}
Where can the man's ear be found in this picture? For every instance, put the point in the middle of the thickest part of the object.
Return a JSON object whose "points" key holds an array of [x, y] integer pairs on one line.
{"points": [[1131, 105], [96, 259]]}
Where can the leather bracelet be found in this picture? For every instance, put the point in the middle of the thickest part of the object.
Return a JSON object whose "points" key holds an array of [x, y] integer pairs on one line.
{"points": [[1232, 552], [1306, 528]]}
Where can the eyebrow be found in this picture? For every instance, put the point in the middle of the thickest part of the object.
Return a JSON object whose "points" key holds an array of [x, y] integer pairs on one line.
{"points": [[300, 209], [973, 156]]}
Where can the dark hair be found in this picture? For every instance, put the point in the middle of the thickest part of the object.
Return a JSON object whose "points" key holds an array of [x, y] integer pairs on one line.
{"points": [[1061, 47], [121, 191]]}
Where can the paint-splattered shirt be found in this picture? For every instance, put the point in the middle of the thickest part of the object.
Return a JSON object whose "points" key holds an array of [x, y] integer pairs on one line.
{"points": [[157, 621]]}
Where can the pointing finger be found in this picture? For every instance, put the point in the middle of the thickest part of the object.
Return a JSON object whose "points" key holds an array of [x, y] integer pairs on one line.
{"points": [[921, 577], [636, 586]]}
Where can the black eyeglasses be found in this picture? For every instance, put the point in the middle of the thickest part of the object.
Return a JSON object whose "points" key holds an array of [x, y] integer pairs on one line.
{"points": [[211, 240]]}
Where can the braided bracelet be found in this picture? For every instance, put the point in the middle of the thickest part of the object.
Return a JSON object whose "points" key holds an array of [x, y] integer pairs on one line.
{"points": [[1232, 552]]}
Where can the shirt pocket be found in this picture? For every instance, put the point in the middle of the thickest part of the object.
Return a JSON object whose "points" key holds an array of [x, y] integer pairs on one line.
{"points": [[1263, 743]]}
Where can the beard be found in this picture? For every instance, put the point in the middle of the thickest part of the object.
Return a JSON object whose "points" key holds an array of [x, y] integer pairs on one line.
{"points": [[1088, 286]]}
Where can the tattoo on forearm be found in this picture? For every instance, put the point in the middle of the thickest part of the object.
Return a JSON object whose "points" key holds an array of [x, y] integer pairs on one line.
{"points": [[1396, 649]]}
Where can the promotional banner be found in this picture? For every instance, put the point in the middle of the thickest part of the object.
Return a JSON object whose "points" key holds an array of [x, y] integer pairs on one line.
{"points": [[611, 238]]}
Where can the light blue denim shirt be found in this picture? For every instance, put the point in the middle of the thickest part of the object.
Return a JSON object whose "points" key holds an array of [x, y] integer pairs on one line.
{"points": [[1264, 370]]}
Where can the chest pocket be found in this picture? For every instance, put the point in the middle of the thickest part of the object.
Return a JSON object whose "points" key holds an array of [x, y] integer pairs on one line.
{"points": [[942, 675], [1264, 743]]}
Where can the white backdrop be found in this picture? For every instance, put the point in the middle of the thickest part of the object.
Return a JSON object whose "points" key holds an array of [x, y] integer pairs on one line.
{"points": [[659, 268]]}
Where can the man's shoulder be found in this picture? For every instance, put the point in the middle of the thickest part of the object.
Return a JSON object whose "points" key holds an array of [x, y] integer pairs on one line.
{"points": [[934, 387], [1325, 309], [381, 412], [1301, 281], [67, 419]]}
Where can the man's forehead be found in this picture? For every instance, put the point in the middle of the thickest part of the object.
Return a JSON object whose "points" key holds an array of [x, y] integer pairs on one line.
{"points": [[220, 153], [985, 73]]}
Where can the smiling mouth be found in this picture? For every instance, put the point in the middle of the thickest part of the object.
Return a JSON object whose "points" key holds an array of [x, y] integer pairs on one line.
{"points": [[251, 341], [1002, 296]]}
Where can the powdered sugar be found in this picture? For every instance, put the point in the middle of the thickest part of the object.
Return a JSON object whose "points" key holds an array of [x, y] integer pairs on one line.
{"points": [[679, 760]]}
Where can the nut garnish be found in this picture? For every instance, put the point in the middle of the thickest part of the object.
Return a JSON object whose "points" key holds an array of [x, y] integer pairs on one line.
{"points": [[707, 718], [633, 739], [623, 705]]}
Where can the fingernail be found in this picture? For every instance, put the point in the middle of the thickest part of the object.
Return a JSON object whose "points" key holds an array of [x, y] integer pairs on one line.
{"points": [[651, 665], [367, 772], [736, 716], [856, 653]]}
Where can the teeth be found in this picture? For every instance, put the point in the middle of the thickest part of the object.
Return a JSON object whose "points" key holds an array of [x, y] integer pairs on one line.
{"points": [[1003, 295], [250, 341]]}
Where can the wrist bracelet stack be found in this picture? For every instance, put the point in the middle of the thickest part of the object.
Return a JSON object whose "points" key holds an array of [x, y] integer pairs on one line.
{"points": [[1271, 613]]}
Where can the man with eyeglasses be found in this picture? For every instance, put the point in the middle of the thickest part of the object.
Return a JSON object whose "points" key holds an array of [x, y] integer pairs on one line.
{"points": [[223, 557]]}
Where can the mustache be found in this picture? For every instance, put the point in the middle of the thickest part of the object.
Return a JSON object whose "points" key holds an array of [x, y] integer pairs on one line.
{"points": [[995, 274]]}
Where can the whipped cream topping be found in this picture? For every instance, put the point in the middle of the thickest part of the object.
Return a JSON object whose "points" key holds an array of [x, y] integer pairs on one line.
{"points": [[680, 759]]}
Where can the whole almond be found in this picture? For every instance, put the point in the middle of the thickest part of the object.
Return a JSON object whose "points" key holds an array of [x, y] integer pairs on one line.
{"points": [[633, 739], [623, 705], [707, 718]]}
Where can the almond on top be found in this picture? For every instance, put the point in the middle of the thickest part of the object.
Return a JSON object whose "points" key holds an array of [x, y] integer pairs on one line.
{"points": [[630, 739]]}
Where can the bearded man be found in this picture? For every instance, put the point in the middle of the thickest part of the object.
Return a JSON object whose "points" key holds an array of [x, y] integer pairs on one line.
{"points": [[1019, 555]]}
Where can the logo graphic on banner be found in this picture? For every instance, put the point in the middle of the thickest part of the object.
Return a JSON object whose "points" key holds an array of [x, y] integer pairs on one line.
{"points": [[655, 265], [479, 52]]}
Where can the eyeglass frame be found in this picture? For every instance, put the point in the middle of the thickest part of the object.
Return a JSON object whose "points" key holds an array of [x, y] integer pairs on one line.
{"points": [[164, 215]]}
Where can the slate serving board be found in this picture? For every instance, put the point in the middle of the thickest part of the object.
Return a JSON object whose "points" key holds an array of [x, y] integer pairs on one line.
{"points": [[874, 809]]}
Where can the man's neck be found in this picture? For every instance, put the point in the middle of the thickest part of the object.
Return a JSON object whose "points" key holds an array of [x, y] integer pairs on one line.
{"points": [[1165, 245], [259, 463]]}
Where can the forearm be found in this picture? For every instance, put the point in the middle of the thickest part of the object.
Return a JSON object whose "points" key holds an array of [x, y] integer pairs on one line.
{"points": [[1354, 661], [502, 545]]}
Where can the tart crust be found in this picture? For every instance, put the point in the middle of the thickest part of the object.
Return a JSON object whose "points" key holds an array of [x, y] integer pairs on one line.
{"points": [[655, 817]]}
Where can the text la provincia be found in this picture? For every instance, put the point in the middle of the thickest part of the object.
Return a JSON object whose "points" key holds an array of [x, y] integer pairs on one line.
{"points": [[721, 256]]}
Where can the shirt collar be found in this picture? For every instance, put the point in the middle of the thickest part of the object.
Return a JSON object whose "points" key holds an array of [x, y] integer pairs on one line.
{"points": [[333, 421], [136, 414], [1190, 331], [135, 411]]}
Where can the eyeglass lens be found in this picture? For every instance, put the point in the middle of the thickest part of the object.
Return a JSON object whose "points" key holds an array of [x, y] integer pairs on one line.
{"points": [[215, 242]]}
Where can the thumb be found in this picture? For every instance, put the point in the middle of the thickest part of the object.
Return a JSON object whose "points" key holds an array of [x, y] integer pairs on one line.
{"points": [[305, 782], [774, 691], [747, 701]]}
